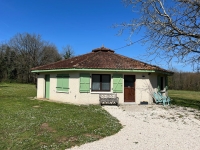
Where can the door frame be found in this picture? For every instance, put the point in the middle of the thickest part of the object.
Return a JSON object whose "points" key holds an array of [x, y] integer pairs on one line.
{"points": [[134, 87]]}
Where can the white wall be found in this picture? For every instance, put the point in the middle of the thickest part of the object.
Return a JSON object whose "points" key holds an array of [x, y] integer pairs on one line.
{"points": [[41, 86], [153, 80], [74, 96], [144, 85]]}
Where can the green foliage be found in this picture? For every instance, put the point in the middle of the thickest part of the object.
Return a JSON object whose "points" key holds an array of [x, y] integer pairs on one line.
{"points": [[33, 124], [185, 98]]}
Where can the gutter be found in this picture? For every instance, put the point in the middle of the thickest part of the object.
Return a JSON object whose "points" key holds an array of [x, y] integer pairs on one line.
{"points": [[100, 70]]}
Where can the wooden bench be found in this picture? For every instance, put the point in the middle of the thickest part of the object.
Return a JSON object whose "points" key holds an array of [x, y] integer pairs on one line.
{"points": [[108, 98]]}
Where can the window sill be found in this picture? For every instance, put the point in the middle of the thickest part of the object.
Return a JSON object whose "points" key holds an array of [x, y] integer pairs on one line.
{"points": [[62, 92], [99, 92]]}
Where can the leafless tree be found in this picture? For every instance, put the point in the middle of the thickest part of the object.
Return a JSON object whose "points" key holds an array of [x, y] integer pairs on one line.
{"points": [[185, 81], [49, 54], [68, 52], [31, 51], [171, 28]]}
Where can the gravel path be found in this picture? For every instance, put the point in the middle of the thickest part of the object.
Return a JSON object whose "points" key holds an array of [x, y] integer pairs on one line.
{"points": [[151, 127]]}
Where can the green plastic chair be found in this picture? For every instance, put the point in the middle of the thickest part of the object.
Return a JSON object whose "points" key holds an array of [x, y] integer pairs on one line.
{"points": [[165, 97], [159, 98]]}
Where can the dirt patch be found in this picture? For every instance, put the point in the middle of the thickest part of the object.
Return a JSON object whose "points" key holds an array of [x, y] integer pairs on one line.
{"points": [[93, 136], [46, 128], [43, 143], [72, 140], [36, 106], [63, 139], [32, 98]]}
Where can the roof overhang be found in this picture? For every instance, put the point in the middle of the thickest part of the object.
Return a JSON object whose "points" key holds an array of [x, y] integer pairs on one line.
{"points": [[103, 70]]}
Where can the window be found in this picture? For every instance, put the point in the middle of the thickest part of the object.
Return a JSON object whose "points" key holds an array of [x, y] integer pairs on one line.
{"points": [[62, 83], [100, 82]]}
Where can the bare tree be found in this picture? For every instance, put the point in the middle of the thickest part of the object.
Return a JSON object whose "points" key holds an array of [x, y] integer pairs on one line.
{"points": [[49, 54], [68, 52], [171, 27], [185, 81], [31, 51]]}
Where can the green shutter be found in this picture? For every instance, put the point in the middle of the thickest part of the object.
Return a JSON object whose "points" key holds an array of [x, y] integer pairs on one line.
{"points": [[158, 82], [62, 82], [84, 82], [117, 83], [65, 84], [59, 84]]}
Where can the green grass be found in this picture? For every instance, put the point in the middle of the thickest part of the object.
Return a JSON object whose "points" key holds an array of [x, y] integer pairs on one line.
{"points": [[33, 124], [185, 98]]}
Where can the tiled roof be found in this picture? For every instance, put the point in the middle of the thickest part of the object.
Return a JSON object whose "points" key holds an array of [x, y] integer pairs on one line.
{"points": [[100, 58]]}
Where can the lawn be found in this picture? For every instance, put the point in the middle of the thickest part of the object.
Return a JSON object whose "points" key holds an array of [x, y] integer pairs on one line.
{"points": [[33, 124], [185, 98]]}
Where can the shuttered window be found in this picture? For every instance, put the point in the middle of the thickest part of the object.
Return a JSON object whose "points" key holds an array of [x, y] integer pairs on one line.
{"points": [[62, 83], [84, 83], [117, 83]]}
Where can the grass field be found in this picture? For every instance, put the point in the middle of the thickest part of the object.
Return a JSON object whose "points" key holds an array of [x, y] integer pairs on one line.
{"points": [[185, 98], [32, 124]]}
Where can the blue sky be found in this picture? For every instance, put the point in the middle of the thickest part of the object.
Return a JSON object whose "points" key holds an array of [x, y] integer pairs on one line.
{"points": [[83, 24]]}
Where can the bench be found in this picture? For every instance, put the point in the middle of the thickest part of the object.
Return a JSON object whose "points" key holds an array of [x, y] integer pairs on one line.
{"points": [[108, 98]]}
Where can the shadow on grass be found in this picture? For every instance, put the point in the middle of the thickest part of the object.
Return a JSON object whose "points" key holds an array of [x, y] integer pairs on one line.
{"points": [[185, 102]]}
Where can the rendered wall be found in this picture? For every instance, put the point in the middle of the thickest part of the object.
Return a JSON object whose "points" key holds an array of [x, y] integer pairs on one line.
{"points": [[41, 86], [144, 86]]}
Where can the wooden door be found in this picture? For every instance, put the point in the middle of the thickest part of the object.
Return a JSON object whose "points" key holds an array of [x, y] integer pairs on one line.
{"points": [[47, 86], [129, 88]]}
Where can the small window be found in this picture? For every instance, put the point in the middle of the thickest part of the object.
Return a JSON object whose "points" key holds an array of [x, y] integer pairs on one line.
{"points": [[100, 82]]}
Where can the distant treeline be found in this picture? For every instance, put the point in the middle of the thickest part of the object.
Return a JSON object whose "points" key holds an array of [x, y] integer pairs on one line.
{"points": [[184, 81], [23, 52]]}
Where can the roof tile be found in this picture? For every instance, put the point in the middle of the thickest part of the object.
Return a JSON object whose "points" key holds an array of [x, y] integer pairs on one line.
{"points": [[101, 58]]}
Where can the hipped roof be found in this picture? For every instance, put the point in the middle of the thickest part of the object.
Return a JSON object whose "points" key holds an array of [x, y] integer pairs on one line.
{"points": [[101, 58]]}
